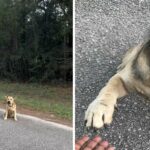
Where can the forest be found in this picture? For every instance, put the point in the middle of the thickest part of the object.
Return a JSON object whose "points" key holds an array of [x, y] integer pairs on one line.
{"points": [[36, 41]]}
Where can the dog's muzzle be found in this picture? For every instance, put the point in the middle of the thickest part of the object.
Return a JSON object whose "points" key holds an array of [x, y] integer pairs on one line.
{"points": [[8, 102]]}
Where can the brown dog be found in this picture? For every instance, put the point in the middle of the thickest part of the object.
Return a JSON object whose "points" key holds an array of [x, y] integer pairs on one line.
{"points": [[132, 75], [10, 108]]}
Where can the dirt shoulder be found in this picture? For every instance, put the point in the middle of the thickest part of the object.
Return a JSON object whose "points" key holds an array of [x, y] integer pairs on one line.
{"points": [[41, 115]]}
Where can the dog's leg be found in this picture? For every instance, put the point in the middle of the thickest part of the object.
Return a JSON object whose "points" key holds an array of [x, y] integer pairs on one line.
{"points": [[5, 115], [100, 111], [15, 115]]}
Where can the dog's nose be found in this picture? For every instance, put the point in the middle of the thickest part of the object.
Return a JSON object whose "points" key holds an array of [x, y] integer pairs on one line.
{"points": [[8, 102]]}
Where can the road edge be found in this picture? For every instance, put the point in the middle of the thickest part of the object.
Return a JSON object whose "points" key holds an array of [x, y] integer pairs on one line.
{"points": [[43, 121]]}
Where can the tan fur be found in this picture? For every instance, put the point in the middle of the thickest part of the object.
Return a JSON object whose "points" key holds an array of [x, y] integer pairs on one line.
{"points": [[10, 111], [101, 110]]}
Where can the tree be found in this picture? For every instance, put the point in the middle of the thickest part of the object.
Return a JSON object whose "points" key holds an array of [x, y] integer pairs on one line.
{"points": [[36, 40]]}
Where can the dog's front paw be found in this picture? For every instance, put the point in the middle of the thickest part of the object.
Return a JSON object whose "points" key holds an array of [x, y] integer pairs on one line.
{"points": [[98, 114], [15, 119], [5, 118]]}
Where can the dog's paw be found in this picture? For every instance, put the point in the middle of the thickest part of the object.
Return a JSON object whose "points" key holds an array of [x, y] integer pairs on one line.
{"points": [[98, 114], [15, 119], [5, 118]]}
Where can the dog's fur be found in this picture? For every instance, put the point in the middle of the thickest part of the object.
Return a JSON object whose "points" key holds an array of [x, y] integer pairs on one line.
{"points": [[132, 75], [10, 111]]}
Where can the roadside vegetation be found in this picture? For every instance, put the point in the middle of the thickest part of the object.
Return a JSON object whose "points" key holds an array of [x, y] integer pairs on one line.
{"points": [[52, 99], [36, 55]]}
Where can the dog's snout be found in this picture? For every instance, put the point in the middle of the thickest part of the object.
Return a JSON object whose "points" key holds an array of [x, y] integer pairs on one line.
{"points": [[8, 102]]}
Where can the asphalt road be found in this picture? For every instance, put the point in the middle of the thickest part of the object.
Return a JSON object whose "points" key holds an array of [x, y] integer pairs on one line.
{"points": [[33, 134], [104, 31]]}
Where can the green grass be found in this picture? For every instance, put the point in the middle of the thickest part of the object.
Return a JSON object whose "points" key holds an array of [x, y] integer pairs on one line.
{"points": [[45, 98]]}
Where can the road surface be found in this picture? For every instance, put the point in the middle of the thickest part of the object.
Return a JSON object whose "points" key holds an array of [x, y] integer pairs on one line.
{"points": [[104, 31], [29, 133]]}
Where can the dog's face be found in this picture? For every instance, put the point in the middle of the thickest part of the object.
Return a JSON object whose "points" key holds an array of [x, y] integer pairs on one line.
{"points": [[9, 100]]}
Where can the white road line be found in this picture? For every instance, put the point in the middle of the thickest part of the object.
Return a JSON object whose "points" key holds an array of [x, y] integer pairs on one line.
{"points": [[43, 121]]}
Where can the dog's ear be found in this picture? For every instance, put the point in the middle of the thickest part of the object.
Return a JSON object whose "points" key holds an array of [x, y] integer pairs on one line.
{"points": [[6, 97], [14, 98]]}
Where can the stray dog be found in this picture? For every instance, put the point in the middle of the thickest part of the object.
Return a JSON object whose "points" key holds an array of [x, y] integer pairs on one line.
{"points": [[10, 108], [133, 75]]}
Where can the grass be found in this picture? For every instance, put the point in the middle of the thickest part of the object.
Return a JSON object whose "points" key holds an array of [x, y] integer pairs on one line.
{"points": [[52, 99]]}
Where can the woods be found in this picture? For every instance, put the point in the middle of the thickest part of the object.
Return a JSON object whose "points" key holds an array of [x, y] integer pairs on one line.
{"points": [[36, 40]]}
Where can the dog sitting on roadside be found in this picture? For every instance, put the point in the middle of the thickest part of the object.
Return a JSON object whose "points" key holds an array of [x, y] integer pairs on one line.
{"points": [[10, 111], [132, 75]]}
